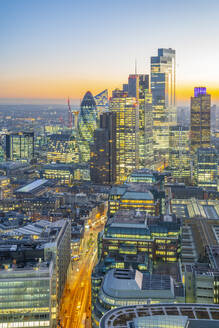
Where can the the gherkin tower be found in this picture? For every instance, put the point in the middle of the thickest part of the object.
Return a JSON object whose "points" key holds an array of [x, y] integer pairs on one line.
{"points": [[86, 125]]}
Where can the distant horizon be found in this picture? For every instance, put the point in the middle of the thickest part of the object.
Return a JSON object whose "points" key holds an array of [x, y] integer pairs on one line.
{"points": [[73, 102], [55, 49]]}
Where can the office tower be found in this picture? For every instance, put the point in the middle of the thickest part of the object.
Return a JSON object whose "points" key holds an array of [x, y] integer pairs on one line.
{"points": [[163, 84], [146, 154], [125, 87], [34, 265], [117, 93], [183, 116], [139, 196], [143, 85], [103, 151], [87, 124], [102, 102], [133, 85], [20, 146], [163, 99], [62, 148], [121, 288], [179, 153], [200, 120], [138, 84], [206, 167], [127, 130], [131, 240]]}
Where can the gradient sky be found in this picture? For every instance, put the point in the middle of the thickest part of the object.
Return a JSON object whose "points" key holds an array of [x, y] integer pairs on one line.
{"points": [[56, 48]]}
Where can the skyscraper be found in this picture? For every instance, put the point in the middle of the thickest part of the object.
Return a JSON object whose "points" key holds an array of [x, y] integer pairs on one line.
{"points": [[86, 125], [127, 130], [20, 146], [102, 102], [179, 153], [133, 85], [200, 119], [206, 167], [146, 154], [163, 83], [138, 84], [103, 151], [163, 99]]}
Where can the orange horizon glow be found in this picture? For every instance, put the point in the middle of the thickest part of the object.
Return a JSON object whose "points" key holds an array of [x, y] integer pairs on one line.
{"points": [[75, 89]]}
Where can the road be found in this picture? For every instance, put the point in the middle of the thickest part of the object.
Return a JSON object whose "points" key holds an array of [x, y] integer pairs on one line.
{"points": [[76, 301]]}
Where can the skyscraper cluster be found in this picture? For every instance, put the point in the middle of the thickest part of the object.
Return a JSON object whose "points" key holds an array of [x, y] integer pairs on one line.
{"points": [[118, 201], [144, 131]]}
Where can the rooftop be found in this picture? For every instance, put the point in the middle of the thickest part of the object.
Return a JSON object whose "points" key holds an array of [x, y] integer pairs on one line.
{"points": [[132, 284], [30, 187], [136, 195], [200, 315]]}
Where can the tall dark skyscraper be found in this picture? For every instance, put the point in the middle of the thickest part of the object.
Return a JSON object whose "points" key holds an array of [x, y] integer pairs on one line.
{"points": [[20, 146], [103, 151], [200, 119]]}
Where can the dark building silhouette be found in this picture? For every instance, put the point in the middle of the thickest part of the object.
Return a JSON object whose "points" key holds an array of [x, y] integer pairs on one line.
{"points": [[103, 151]]}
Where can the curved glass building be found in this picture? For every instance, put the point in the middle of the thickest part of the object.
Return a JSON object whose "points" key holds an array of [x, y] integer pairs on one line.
{"points": [[86, 125]]}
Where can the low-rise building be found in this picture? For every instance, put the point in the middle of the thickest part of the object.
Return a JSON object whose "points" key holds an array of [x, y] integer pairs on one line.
{"points": [[131, 287], [34, 261], [199, 316]]}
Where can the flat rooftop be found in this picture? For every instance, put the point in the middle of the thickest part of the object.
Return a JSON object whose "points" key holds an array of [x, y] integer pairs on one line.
{"points": [[199, 315], [132, 284], [30, 187]]}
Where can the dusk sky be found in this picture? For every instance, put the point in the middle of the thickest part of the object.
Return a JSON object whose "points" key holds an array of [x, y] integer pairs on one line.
{"points": [[53, 49]]}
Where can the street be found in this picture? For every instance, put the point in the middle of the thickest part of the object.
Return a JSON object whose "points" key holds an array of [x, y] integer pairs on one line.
{"points": [[76, 301]]}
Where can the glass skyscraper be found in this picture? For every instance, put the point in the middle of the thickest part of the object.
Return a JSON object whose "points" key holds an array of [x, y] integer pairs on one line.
{"points": [[20, 146], [127, 131], [145, 131], [179, 153], [102, 102], [86, 125], [163, 73], [200, 119]]}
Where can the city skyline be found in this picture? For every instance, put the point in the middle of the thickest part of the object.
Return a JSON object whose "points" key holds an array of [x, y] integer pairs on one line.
{"points": [[52, 51]]}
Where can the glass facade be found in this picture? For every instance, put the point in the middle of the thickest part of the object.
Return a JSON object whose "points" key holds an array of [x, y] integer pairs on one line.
{"points": [[102, 102], [127, 123], [103, 151], [200, 121], [20, 146], [206, 168], [62, 148], [86, 125], [26, 298], [179, 153], [146, 154], [163, 98]]}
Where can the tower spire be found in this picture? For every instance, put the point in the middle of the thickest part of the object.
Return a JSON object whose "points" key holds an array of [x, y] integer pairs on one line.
{"points": [[135, 66]]}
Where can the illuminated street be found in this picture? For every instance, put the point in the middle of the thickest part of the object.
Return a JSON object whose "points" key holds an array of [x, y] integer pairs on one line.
{"points": [[76, 302]]}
